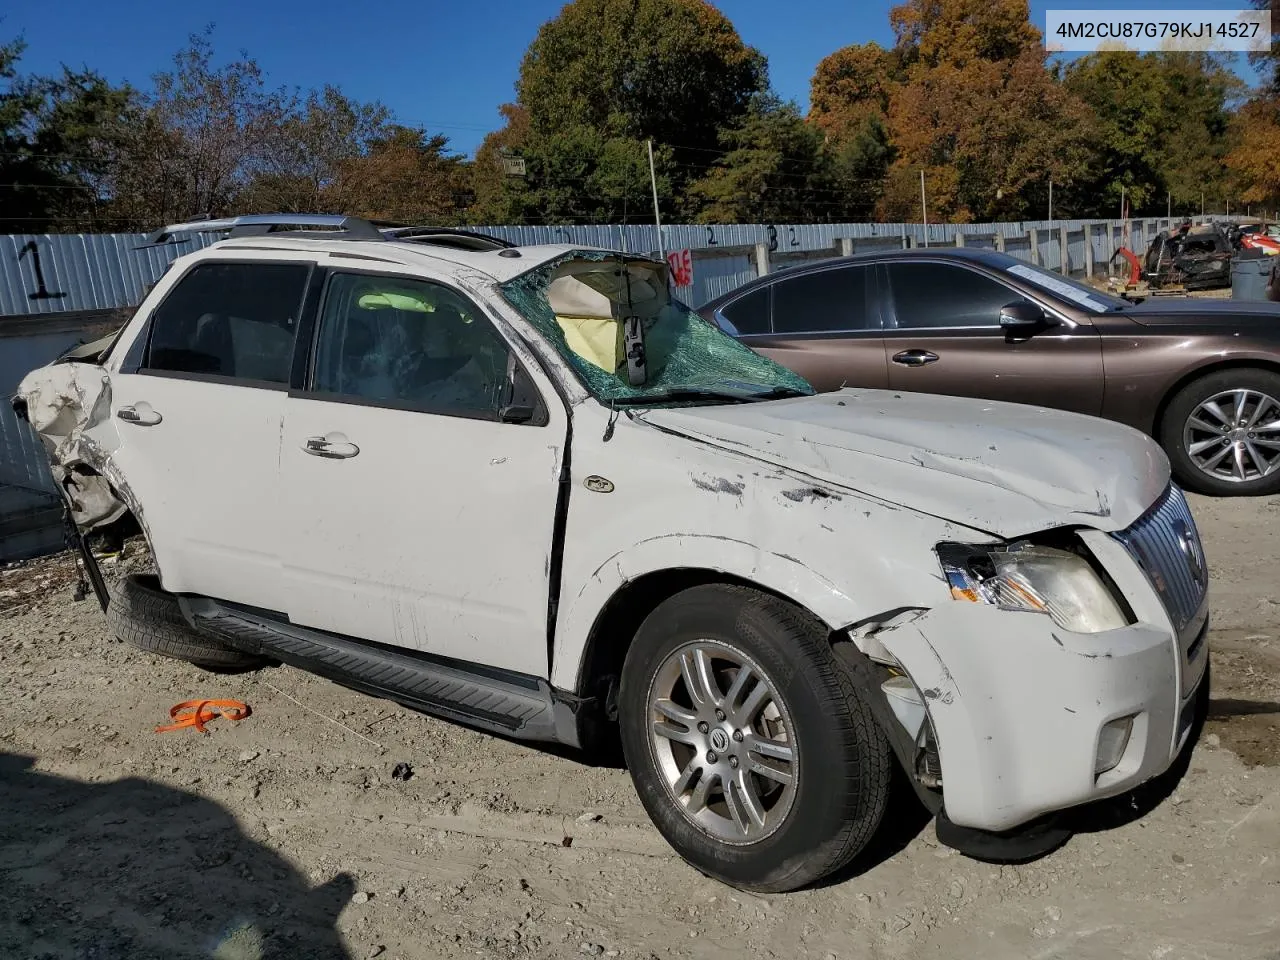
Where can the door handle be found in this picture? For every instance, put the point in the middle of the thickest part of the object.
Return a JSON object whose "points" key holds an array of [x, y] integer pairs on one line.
{"points": [[329, 449], [145, 418], [914, 358]]}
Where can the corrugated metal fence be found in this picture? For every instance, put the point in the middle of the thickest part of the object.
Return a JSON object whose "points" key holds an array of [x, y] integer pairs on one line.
{"points": [[53, 273], [49, 281]]}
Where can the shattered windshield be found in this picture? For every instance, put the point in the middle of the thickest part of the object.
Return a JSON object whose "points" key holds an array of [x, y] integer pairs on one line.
{"points": [[630, 342]]}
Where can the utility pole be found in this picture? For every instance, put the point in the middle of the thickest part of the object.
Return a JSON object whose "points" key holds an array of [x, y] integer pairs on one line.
{"points": [[1169, 214], [924, 210], [1202, 203], [657, 217], [1122, 201], [1228, 208], [1051, 201]]}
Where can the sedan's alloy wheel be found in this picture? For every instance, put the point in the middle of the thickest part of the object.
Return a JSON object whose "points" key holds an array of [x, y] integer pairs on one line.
{"points": [[1235, 435], [723, 740]]}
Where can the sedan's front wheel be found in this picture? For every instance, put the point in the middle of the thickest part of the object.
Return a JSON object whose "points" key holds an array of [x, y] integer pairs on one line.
{"points": [[750, 746], [1222, 433]]}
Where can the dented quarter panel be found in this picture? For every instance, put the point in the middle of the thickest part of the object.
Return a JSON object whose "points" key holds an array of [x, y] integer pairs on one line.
{"points": [[681, 503], [69, 407]]}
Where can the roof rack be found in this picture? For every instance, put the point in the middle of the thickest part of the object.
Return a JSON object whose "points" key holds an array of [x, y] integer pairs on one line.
{"points": [[341, 227], [338, 227]]}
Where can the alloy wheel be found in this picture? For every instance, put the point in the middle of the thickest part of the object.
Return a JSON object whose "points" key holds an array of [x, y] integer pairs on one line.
{"points": [[723, 740], [1235, 435]]}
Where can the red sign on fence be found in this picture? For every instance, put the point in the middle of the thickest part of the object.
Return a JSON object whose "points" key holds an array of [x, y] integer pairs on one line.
{"points": [[681, 264]]}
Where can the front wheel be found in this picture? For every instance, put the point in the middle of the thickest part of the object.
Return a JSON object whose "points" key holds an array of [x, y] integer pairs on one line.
{"points": [[751, 747], [1222, 433]]}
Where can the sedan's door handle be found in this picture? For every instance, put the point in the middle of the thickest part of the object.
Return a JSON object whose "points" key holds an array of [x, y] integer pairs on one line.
{"points": [[914, 358], [329, 449], [143, 418]]}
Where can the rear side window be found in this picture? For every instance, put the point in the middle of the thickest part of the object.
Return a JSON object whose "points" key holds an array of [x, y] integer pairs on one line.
{"points": [[750, 313], [822, 302], [931, 295], [231, 320]]}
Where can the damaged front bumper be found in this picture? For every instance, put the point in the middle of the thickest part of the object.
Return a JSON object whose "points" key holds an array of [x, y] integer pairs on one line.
{"points": [[1020, 707]]}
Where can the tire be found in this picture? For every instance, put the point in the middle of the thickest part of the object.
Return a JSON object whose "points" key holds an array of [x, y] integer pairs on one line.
{"points": [[143, 615], [1261, 389], [841, 760]]}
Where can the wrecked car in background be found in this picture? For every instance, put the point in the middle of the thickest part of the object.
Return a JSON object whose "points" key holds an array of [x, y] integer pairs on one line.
{"points": [[527, 490], [1195, 258]]}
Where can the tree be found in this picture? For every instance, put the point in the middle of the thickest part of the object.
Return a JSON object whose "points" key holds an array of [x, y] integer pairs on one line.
{"points": [[200, 140], [775, 169], [956, 33], [606, 75], [667, 69], [56, 137], [299, 170], [406, 176], [1255, 159], [581, 175], [977, 111], [500, 197], [851, 86], [1162, 121]]}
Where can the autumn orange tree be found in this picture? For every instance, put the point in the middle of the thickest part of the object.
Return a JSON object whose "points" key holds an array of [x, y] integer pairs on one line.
{"points": [[966, 98]]}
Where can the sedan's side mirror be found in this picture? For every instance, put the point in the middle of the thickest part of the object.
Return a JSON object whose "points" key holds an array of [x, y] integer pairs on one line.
{"points": [[1022, 319]]}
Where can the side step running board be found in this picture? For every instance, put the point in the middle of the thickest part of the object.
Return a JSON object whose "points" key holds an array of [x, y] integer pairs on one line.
{"points": [[502, 702]]}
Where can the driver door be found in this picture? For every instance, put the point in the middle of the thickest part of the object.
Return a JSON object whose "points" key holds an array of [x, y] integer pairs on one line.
{"points": [[943, 336]]}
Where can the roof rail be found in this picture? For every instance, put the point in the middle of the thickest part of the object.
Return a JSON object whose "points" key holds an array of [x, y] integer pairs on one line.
{"points": [[446, 237], [341, 227]]}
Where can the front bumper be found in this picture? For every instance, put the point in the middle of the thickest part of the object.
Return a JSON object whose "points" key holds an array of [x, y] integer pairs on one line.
{"points": [[1017, 705]]}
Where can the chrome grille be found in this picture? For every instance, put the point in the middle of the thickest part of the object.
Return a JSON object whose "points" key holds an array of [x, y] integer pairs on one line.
{"points": [[1165, 543]]}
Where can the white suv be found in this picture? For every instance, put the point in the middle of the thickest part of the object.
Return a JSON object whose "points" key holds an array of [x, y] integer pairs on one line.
{"points": [[527, 490]]}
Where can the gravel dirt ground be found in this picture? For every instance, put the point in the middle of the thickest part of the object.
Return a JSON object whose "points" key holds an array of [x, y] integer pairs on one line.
{"points": [[293, 834]]}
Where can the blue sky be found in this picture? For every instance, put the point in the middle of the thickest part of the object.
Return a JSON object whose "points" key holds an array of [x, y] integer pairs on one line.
{"points": [[442, 64]]}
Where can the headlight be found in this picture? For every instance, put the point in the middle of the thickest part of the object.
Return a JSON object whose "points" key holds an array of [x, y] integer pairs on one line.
{"points": [[1026, 576]]}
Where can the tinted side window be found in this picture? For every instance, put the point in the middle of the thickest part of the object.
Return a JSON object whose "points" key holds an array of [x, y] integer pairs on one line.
{"points": [[409, 343], [230, 319], [749, 314], [942, 295], [824, 301]]}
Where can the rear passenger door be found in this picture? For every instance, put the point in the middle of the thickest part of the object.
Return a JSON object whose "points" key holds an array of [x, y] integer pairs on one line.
{"points": [[824, 324], [198, 402]]}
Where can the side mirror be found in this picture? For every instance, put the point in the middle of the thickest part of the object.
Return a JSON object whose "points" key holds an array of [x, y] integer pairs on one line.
{"points": [[1022, 319], [523, 404], [516, 414]]}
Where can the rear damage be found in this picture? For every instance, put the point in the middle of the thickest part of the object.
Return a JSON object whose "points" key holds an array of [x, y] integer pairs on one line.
{"points": [[68, 405]]}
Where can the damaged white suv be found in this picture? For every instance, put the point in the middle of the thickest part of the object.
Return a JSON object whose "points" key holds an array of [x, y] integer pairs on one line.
{"points": [[527, 490]]}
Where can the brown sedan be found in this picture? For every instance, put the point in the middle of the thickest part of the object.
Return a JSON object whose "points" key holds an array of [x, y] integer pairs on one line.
{"points": [[1201, 376]]}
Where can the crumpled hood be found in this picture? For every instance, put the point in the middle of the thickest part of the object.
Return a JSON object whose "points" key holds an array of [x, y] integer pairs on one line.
{"points": [[1002, 468]]}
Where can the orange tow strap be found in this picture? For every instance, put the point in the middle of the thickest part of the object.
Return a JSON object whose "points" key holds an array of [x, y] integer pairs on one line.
{"points": [[196, 713]]}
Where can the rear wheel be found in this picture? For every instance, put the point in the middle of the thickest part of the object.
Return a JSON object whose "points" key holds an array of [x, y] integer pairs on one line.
{"points": [[144, 615], [750, 746], [1222, 433]]}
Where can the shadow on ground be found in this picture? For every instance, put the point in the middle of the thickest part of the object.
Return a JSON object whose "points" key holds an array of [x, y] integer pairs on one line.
{"points": [[134, 870]]}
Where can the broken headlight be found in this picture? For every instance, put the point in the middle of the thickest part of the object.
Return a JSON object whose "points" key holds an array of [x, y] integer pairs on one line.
{"points": [[1029, 577]]}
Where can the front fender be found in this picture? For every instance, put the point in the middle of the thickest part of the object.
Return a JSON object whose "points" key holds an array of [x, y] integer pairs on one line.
{"points": [[776, 572]]}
